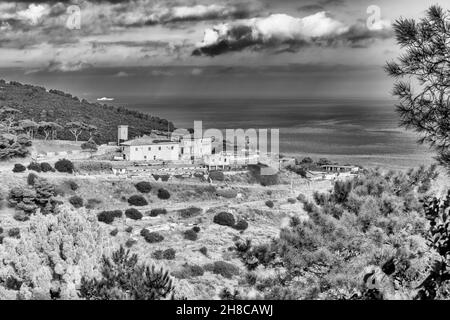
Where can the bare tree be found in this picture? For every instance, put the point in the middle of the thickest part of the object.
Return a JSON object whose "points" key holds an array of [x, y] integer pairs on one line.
{"points": [[422, 76], [49, 129], [8, 117]]}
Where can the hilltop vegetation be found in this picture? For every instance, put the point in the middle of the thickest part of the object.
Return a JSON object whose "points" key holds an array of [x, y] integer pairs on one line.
{"points": [[37, 104]]}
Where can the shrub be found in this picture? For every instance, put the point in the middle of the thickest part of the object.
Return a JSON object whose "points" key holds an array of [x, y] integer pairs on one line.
{"points": [[130, 243], [93, 166], [1, 230], [196, 229], [227, 193], [46, 167], [19, 168], [76, 201], [156, 212], [225, 269], [301, 197], [291, 200], [189, 271], [92, 203], [190, 212], [133, 213], [241, 225], [21, 216], [224, 219], [14, 233], [31, 178], [216, 175], [124, 278], [204, 251], [89, 145], [129, 229], [163, 194], [114, 232], [143, 186], [151, 237], [109, 216], [190, 235], [137, 200], [168, 254], [64, 165], [72, 185], [269, 203], [34, 166]]}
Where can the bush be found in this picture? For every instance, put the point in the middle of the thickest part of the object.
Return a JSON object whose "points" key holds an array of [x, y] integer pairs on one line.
{"points": [[114, 232], [133, 213], [92, 203], [21, 216], [64, 165], [72, 185], [224, 219], [216, 175], [123, 277], [227, 193], [129, 229], [130, 243], [196, 229], [291, 200], [93, 166], [241, 225], [14, 233], [190, 235], [31, 178], [34, 166], [46, 167], [301, 197], [269, 203], [168, 254], [225, 269], [189, 271], [204, 251], [190, 212], [156, 212], [137, 200], [163, 194], [76, 201], [143, 186], [109, 216], [19, 168], [151, 237]]}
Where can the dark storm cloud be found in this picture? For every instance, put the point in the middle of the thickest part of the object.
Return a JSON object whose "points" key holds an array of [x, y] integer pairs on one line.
{"points": [[284, 33]]}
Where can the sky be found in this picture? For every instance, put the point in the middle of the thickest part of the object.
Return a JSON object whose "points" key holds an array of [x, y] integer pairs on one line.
{"points": [[223, 48]]}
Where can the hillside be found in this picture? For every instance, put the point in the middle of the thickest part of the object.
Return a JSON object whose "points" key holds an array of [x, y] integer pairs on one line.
{"points": [[38, 104]]}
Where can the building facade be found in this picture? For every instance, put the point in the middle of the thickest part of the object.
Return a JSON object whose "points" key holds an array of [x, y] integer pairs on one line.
{"points": [[146, 149]]}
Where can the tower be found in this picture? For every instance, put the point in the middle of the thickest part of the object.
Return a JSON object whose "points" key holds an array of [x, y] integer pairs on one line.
{"points": [[122, 134]]}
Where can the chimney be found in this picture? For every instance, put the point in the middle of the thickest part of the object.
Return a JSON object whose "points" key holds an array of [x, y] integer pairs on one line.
{"points": [[122, 134]]}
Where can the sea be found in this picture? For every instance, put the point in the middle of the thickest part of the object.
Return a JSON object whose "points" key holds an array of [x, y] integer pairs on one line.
{"points": [[347, 131]]}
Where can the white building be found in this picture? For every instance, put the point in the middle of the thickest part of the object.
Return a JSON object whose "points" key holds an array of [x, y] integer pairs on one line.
{"points": [[150, 149], [230, 160], [195, 149]]}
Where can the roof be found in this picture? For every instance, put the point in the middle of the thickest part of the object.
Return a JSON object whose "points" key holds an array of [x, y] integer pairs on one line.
{"points": [[147, 141]]}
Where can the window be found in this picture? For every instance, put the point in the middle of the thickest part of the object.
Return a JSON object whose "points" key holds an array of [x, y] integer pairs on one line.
{"points": [[136, 149], [159, 148], [171, 148], [149, 148], [145, 157]]}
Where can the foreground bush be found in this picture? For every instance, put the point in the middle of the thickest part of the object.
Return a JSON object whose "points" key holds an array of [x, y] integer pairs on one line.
{"points": [[151, 237], [190, 212], [51, 256], [227, 193], [34, 166], [216, 175], [168, 254], [190, 235], [137, 200], [225, 269], [133, 213], [143, 186], [124, 278], [241, 225], [64, 165], [40, 195], [46, 167], [156, 212], [76, 201], [31, 178], [269, 203], [109, 216], [19, 168], [163, 194], [224, 219]]}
